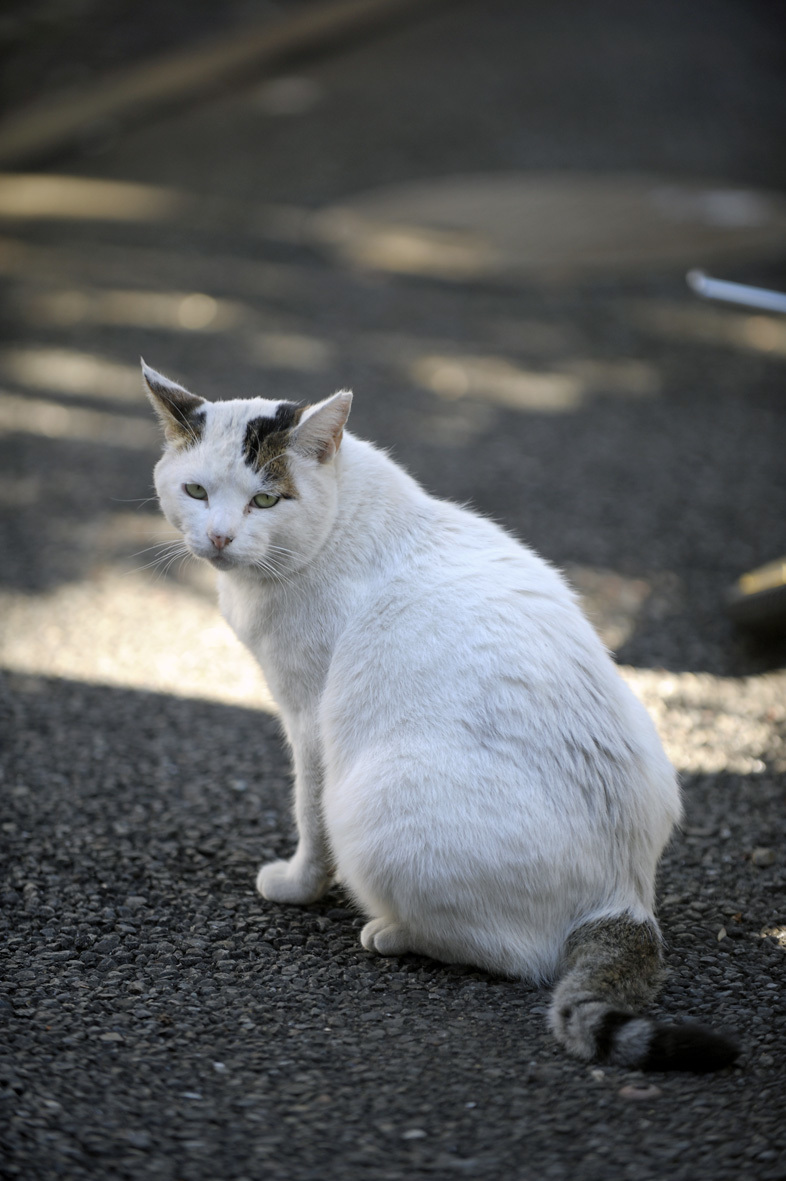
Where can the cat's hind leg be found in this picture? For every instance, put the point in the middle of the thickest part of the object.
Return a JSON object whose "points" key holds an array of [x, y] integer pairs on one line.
{"points": [[386, 936]]}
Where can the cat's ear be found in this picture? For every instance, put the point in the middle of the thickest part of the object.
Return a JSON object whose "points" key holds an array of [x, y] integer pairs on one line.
{"points": [[180, 413], [321, 427]]}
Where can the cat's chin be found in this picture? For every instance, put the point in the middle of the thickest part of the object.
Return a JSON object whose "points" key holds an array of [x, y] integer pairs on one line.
{"points": [[218, 560], [223, 562]]}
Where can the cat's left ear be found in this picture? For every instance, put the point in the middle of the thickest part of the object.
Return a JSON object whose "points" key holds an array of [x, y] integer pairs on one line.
{"points": [[179, 412], [321, 427]]}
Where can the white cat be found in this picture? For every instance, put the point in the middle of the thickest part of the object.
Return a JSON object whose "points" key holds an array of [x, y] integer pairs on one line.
{"points": [[468, 762]]}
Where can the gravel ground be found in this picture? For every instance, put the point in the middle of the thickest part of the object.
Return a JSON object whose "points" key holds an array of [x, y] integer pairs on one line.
{"points": [[159, 1019], [163, 1022]]}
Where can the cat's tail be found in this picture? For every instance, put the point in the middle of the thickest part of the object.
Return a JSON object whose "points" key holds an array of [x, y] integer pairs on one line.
{"points": [[612, 970]]}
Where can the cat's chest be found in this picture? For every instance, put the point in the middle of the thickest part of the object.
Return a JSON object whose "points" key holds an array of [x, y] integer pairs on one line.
{"points": [[243, 610], [292, 646]]}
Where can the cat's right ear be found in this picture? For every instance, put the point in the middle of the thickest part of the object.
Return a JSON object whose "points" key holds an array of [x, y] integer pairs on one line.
{"points": [[180, 413], [321, 427]]}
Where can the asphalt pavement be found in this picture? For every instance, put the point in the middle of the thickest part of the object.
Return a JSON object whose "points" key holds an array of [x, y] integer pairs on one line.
{"points": [[480, 219]]}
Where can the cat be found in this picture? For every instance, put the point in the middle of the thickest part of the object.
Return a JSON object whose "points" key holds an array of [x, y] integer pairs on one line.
{"points": [[468, 763]]}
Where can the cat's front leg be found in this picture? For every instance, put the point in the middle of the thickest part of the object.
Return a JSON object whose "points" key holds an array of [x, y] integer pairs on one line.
{"points": [[298, 881], [307, 875]]}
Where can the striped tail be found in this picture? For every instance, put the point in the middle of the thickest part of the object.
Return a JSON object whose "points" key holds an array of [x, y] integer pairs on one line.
{"points": [[612, 970]]}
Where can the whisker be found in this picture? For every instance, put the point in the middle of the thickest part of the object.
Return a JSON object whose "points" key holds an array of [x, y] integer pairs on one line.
{"points": [[163, 547], [156, 545], [272, 571], [137, 500], [184, 557], [170, 552]]}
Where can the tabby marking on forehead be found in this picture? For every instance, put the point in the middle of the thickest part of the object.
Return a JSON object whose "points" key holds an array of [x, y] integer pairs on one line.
{"points": [[265, 443]]}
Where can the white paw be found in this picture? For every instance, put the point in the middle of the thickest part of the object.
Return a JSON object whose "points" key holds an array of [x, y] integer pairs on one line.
{"points": [[385, 937], [283, 881]]}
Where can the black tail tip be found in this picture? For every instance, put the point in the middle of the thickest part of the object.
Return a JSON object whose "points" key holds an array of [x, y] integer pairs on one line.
{"points": [[689, 1047]]}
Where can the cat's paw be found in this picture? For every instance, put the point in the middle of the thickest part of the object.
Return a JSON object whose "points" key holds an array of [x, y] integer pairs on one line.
{"points": [[284, 881], [386, 937]]}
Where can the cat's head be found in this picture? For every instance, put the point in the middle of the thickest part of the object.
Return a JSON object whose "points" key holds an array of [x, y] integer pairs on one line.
{"points": [[250, 483]]}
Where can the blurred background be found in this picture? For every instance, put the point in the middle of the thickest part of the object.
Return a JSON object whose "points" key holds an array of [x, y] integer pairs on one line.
{"points": [[478, 216]]}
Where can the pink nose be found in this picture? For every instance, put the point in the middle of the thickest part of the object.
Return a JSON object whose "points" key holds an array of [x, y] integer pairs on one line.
{"points": [[220, 539]]}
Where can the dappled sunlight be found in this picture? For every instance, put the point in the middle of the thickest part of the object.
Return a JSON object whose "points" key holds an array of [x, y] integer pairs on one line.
{"points": [[498, 380], [629, 378], [716, 724], [55, 197], [67, 371], [144, 617], [552, 386], [35, 196], [509, 384], [177, 311], [776, 933], [53, 421], [133, 630], [755, 333], [172, 311], [406, 249], [554, 226]]}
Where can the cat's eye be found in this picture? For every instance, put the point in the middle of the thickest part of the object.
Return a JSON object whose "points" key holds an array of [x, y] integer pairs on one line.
{"points": [[265, 500], [197, 491]]}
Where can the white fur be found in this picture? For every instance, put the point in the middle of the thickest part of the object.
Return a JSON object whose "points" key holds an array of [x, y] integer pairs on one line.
{"points": [[468, 761]]}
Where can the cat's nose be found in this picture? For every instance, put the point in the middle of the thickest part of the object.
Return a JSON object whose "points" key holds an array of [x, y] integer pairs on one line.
{"points": [[220, 539]]}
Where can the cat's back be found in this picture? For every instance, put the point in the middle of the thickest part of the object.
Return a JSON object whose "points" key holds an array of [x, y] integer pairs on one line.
{"points": [[455, 575], [465, 635], [463, 625]]}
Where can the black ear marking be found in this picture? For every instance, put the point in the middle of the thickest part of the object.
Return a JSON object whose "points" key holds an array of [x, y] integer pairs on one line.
{"points": [[182, 414]]}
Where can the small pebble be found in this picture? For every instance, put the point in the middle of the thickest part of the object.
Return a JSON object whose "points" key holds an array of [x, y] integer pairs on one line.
{"points": [[763, 857], [139, 1140], [413, 1134], [640, 1091]]}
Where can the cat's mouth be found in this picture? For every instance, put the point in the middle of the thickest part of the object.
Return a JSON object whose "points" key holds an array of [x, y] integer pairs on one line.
{"points": [[220, 560]]}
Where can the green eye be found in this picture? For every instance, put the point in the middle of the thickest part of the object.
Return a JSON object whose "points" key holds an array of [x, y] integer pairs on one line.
{"points": [[197, 491], [265, 500]]}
